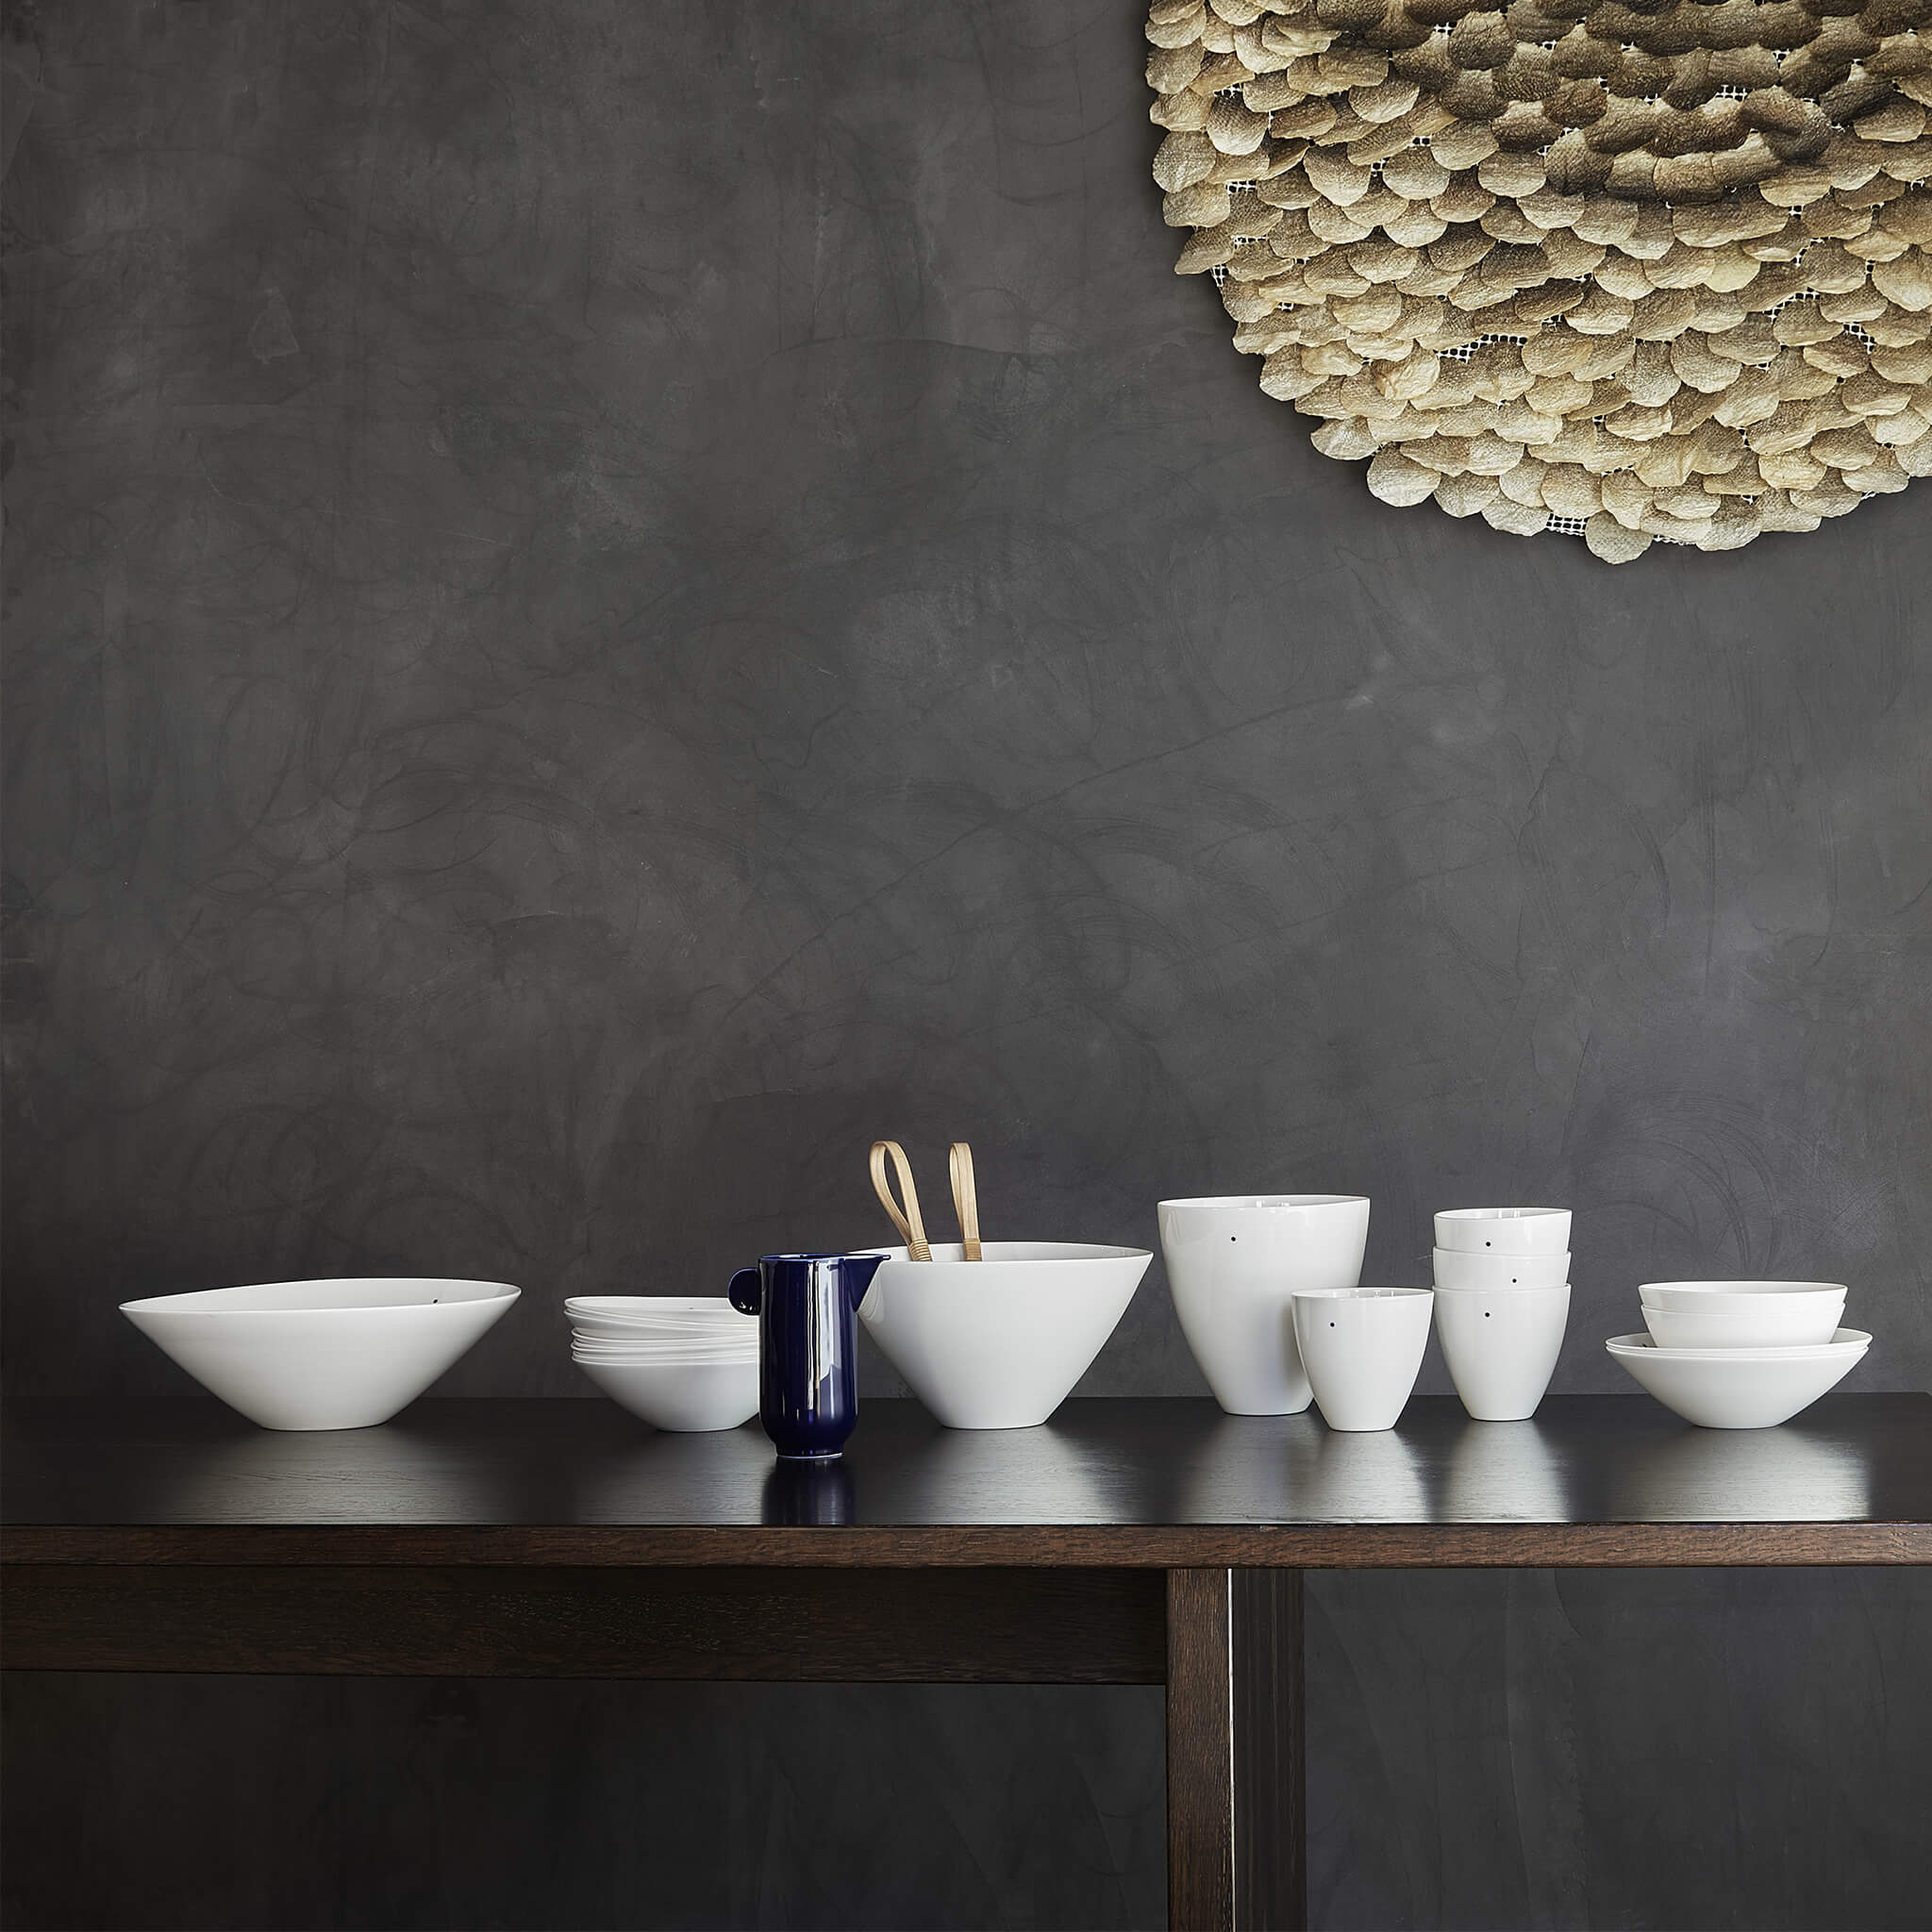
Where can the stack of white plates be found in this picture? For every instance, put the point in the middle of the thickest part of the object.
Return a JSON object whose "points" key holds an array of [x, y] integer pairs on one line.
{"points": [[686, 1362], [1740, 1355]]}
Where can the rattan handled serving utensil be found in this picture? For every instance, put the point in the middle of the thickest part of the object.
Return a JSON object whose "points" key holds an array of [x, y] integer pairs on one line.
{"points": [[965, 1199], [907, 1220]]}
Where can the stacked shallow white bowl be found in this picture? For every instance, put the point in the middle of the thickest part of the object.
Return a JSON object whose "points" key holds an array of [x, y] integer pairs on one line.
{"points": [[1740, 1355], [1502, 1305], [683, 1362]]}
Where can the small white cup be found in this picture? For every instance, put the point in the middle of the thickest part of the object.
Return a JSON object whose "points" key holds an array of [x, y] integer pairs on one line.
{"points": [[1456, 1270], [1362, 1349], [1501, 1344], [1504, 1230]]}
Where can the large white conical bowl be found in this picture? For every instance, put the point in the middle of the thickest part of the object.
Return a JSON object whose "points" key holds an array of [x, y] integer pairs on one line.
{"points": [[998, 1344], [322, 1355]]}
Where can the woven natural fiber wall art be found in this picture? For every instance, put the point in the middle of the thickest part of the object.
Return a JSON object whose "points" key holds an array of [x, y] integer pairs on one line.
{"points": [[1637, 270]]}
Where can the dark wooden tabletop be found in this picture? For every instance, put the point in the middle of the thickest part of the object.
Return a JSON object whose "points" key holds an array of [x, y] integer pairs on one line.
{"points": [[1609, 1479]]}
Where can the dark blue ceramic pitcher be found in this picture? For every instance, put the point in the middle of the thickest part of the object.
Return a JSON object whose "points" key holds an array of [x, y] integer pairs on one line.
{"points": [[807, 1306]]}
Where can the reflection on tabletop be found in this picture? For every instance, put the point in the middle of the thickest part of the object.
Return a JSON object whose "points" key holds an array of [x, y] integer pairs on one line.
{"points": [[392, 1472], [810, 1494], [1295, 1469], [715, 1476], [1506, 1472], [1742, 1475], [1372, 1477], [1050, 1473], [1240, 1471], [1590, 1458]]}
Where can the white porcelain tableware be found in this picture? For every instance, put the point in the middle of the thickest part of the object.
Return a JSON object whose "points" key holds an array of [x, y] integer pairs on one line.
{"points": [[681, 1396], [998, 1344], [1781, 1300], [721, 1337], [1233, 1263], [633, 1308], [1362, 1348], [667, 1317], [322, 1355], [1501, 1344], [632, 1352], [1458, 1267], [1504, 1230], [1779, 1321], [1738, 1388], [740, 1329]]}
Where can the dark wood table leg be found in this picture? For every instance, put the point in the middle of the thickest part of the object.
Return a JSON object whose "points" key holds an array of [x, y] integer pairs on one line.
{"points": [[1235, 1814], [1270, 1811]]}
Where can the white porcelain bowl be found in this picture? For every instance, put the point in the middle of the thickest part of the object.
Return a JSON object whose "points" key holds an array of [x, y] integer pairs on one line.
{"points": [[1362, 1348], [659, 1318], [1504, 1230], [684, 1397], [999, 1343], [322, 1355], [1793, 1320], [1234, 1262], [653, 1310], [651, 1351], [1738, 1388], [1457, 1269], [1742, 1297], [1501, 1344]]}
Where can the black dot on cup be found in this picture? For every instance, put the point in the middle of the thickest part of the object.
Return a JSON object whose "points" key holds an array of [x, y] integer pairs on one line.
{"points": [[1331, 1325], [1486, 1314]]}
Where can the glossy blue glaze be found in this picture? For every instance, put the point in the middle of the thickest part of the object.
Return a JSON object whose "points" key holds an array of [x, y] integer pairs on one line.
{"points": [[807, 1346]]}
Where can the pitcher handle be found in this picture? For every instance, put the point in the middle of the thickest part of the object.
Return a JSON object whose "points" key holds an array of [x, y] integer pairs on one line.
{"points": [[746, 1291], [908, 1223]]}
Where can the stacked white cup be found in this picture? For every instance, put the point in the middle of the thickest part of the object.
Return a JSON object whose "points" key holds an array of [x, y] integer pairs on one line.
{"points": [[1502, 1305]]}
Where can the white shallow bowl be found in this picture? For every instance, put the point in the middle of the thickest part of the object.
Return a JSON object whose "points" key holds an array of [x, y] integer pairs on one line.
{"points": [[1501, 1344], [728, 1323], [322, 1355], [1795, 1321], [630, 1352], [1738, 1388], [1504, 1230], [999, 1343], [1362, 1348], [640, 1318], [1457, 1269], [1234, 1262], [1740, 1297], [685, 1397], [654, 1310]]}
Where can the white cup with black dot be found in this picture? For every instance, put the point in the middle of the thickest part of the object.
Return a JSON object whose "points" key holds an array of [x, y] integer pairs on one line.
{"points": [[1456, 1270], [1232, 1262], [1501, 1344], [1504, 1230], [1362, 1349]]}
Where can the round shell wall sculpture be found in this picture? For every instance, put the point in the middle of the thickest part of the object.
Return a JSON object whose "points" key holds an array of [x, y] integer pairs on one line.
{"points": [[1639, 271]]}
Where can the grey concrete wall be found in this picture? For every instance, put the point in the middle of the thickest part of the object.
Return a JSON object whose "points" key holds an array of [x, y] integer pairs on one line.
{"points": [[606, 602]]}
